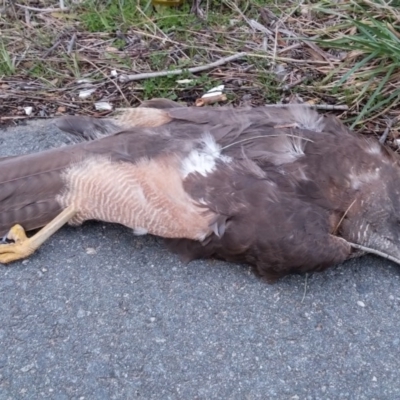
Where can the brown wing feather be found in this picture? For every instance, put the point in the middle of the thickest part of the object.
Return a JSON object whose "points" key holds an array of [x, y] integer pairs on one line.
{"points": [[29, 185], [268, 227]]}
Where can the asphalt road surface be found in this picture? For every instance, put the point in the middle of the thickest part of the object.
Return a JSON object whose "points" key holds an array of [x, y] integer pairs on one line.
{"points": [[98, 313]]}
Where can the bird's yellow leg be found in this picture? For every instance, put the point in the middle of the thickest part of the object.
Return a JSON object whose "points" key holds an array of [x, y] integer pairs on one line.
{"points": [[23, 246]]}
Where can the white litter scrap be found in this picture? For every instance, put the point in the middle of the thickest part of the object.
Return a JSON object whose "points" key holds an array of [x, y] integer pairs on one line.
{"points": [[184, 81], [85, 93], [216, 91], [28, 110], [84, 80], [114, 73], [103, 106], [214, 95]]}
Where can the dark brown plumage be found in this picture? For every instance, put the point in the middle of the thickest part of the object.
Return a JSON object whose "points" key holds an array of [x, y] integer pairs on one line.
{"points": [[281, 188]]}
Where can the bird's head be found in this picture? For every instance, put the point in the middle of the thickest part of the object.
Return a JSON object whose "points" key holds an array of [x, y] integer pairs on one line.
{"points": [[373, 216]]}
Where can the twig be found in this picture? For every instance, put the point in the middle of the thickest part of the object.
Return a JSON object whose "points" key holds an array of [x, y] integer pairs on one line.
{"points": [[376, 252], [71, 44], [343, 216], [390, 123], [42, 10], [293, 84], [289, 48], [28, 18], [259, 27], [148, 75], [305, 288], [330, 107], [273, 62], [12, 117], [326, 107], [52, 48]]}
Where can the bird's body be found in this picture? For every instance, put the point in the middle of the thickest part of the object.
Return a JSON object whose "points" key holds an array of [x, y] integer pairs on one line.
{"points": [[281, 188]]}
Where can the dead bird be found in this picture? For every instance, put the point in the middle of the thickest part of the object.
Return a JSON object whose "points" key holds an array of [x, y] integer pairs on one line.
{"points": [[281, 188]]}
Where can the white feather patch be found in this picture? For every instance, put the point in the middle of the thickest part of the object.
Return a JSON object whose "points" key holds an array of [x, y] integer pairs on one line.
{"points": [[203, 159], [373, 148], [286, 149], [306, 118], [296, 146], [358, 180]]}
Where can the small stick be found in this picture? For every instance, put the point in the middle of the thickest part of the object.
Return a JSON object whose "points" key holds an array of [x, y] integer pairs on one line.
{"points": [[28, 18], [51, 49], [71, 44], [291, 47], [343, 216], [42, 10], [376, 252], [148, 75], [390, 123], [275, 45], [320, 106], [330, 107], [305, 288], [12, 117], [293, 84]]}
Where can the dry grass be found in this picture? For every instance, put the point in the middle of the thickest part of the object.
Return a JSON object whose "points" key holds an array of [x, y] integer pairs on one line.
{"points": [[342, 53]]}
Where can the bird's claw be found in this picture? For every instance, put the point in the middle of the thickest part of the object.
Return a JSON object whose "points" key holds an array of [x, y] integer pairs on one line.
{"points": [[21, 248]]}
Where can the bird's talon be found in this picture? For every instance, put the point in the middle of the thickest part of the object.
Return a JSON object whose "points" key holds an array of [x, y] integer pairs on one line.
{"points": [[24, 246], [19, 249], [17, 234]]}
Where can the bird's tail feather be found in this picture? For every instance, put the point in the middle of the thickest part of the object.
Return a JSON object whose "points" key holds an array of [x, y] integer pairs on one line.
{"points": [[29, 187]]}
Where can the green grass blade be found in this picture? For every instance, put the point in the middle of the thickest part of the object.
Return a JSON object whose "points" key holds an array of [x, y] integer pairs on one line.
{"points": [[378, 90], [356, 67]]}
